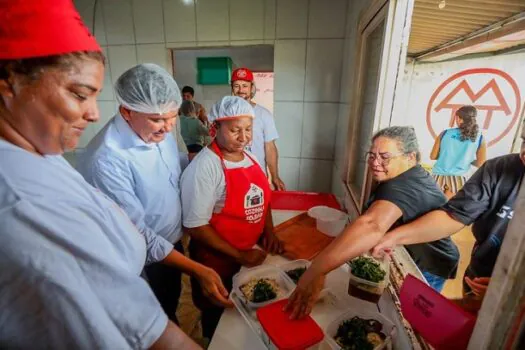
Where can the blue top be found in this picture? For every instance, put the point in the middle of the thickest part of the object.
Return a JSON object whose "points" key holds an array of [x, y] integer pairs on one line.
{"points": [[70, 262], [455, 156], [143, 178]]}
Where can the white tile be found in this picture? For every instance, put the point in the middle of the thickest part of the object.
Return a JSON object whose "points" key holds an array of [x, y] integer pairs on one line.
{"points": [[323, 70], [153, 53], [121, 58], [118, 19], [327, 21], [342, 134], [246, 42], [217, 43], [179, 21], [269, 19], [107, 110], [186, 45], [289, 172], [315, 175], [107, 90], [319, 130], [87, 135], [337, 183], [246, 19], [289, 122], [289, 68], [148, 21], [292, 18], [347, 72], [213, 20], [85, 9]]}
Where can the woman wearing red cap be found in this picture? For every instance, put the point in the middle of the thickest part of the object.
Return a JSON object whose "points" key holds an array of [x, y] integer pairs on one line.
{"points": [[225, 203], [70, 259]]}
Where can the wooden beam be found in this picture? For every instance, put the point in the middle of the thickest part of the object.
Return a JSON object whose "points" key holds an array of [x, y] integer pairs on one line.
{"points": [[492, 16]]}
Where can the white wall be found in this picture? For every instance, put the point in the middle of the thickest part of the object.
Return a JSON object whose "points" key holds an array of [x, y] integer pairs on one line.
{"points": [[422, 82], [309, 38], [258, 58]]}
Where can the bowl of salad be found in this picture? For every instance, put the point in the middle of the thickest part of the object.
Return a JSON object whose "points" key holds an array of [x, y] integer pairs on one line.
{"points": [[369, 277], [358, 330], [262, 285]]}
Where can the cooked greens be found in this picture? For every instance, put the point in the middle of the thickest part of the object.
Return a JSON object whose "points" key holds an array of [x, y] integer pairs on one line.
{"points": [[296, 274], [359, 334], [263, 291], [367, 269]]}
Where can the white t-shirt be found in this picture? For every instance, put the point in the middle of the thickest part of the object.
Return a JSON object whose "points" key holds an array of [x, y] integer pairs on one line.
{"points": [[70, 262], [264, 131], [203, 187]]}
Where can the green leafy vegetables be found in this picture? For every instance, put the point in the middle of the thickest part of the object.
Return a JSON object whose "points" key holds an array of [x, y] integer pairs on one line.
{"points": [[359, 334], [296, 274], [263, 291], [367, 269]]}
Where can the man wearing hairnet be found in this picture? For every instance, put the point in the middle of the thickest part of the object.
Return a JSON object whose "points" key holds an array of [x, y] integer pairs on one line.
{"points": [[134, 160]]}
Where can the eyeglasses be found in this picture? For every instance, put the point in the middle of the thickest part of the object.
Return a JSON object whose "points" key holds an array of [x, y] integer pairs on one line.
{"points": [[382, 158]]}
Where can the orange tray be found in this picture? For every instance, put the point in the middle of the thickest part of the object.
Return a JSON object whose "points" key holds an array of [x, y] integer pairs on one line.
{"points": [[300, 238]]}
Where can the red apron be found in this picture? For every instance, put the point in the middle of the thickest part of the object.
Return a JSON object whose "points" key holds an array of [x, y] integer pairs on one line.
{"points": [[240, 223]]}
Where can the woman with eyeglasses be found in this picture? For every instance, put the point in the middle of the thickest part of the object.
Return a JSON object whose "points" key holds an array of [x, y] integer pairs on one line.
{"points": [[405, 192]]}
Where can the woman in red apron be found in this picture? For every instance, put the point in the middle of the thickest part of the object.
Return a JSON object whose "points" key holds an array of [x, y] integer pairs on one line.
{"points": [[227, 179]]}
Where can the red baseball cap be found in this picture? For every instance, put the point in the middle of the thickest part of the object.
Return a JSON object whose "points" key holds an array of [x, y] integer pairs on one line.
{"points": [[36, 28], [242, 74]]}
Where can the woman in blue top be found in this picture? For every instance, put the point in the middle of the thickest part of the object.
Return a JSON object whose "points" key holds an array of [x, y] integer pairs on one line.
{"points": [[456, 150]]}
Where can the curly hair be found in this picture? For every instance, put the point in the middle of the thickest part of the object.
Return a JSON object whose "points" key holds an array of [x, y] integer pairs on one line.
{"points": [[469, 128]]}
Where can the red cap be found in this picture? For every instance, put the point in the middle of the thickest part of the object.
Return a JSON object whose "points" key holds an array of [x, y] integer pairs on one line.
{"points": [[242, 74], [36, 28]]}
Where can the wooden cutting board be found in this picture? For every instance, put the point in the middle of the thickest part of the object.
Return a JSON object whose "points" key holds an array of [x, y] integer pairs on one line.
{"points": [[300, 237]]}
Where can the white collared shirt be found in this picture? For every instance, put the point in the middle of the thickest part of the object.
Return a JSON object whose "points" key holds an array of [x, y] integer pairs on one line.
{"points": [[143, 178]]}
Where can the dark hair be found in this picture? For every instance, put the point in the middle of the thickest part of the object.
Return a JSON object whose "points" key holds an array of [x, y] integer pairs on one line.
{"points": [[405, 137], [187, 107], [469, 128], [32, 68], [188, 89]]}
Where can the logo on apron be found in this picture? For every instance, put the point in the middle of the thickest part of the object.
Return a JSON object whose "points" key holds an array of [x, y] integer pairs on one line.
{"points": [[254, 204]]}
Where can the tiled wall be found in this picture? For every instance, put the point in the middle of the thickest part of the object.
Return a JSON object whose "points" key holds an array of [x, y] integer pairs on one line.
{"points": [[311, 38], [355, 8]]}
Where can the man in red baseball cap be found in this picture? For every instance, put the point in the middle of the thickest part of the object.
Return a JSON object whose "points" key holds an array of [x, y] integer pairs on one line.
{"points": [[70, 258], [264, 131]]}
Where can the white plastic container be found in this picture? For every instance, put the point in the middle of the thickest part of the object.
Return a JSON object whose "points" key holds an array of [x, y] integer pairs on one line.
{"points": [[300, 263], [286, 286], [329, 221], [368, 290], [389, 329]]}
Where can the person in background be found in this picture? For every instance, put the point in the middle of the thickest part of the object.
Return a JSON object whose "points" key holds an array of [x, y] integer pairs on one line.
{"points": [[226, 203], [393, 161], [194, 132], [264, 131], [487, 203], [134, 160], [188, 94], [70, 258], [457, 150]]}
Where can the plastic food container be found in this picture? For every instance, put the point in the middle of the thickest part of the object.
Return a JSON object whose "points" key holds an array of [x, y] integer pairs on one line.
{"points": [[300, 263], [329, 221], [367, 290], [389, 329], [285, 334], [284, 283]]}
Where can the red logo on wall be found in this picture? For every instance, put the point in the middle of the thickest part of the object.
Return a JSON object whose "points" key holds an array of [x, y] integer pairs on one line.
{"points": [[493, 92]]}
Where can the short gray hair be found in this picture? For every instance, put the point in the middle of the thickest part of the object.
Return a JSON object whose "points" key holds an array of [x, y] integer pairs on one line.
{"points": [[405, 137]]}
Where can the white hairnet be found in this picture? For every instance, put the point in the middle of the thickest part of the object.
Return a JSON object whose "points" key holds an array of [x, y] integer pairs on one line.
{"points": [[148, 88], [230, 107]]}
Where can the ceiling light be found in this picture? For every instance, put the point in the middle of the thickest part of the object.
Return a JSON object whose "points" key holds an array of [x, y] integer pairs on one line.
{"points": [[442, 4]]}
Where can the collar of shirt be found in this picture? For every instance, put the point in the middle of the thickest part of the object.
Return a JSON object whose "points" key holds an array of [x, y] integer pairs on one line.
{"points": [[128, 138]]}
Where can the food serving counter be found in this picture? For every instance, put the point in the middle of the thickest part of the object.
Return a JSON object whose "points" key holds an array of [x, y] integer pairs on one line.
{"points": [[234, 332]]}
